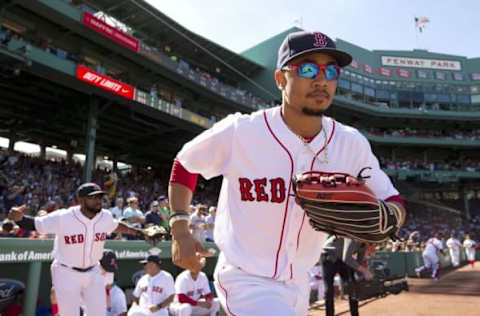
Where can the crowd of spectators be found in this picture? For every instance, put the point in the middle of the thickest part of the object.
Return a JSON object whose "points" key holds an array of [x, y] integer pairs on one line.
{"points": [[45, 185], [139, 196], [437, 165], [459, 134], [424, 223]]}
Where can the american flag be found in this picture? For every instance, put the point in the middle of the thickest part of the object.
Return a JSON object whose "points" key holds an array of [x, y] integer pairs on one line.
{"points": [[421, 22]]}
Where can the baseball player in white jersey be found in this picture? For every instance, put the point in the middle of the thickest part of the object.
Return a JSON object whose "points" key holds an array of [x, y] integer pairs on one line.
{"points": [[430, 257], [197, 224], [470, 246], [454, 246], [80, 234], [267, 244], [193, 295], [154, 291]]}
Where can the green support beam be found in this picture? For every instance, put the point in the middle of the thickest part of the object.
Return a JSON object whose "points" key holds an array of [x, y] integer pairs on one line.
{"points": [[31, 291], [90, 140]]}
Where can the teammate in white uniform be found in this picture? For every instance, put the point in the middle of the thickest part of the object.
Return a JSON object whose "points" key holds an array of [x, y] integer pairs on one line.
{"points": [[193, 295], [154, 291], [469, 246], [116, 299], [80, 234], [267, 243], [430, 257], [454, 246], [197, 224]]}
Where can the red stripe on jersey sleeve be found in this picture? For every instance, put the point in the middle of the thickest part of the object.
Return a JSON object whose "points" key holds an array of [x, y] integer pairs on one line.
{"points": [[180, 175], [398, 199], [182, 298]]}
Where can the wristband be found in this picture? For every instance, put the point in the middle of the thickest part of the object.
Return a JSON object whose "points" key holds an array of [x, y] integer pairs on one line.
{"points": [[178, 213], [178, 217]]}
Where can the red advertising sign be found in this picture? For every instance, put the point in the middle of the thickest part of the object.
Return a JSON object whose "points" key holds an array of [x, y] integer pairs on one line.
{"points": [[354, 64], [104, 82], [368, 68], [404, 73], [385, 72], [110, 32]]}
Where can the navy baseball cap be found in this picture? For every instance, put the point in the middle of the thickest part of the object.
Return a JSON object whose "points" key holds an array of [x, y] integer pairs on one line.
{"points": [[89, 189], [152, 258], [300, 43], [109, 261]]}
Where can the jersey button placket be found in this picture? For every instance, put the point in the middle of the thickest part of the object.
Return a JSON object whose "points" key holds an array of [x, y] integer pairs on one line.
{"points": [[88, 244]]}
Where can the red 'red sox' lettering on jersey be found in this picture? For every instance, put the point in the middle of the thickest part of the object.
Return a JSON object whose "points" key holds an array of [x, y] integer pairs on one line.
{"points": [[262, 190], [74, 239], [100, 236]]}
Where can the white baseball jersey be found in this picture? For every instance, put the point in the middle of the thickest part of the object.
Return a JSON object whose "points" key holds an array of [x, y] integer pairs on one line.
{"points": [[194, 289], [432, 246], [259, 227], [118, 301], [79, 241], [153, 290], [454, 244], [468, 243]]}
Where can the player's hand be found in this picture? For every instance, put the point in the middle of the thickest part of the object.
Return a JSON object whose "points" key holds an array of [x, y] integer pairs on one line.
{"points": [[153, 308], [16, 213], [185, 248], [204, 304]]}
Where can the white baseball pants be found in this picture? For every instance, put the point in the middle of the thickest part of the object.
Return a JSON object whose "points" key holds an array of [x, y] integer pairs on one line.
{"points": [[244, 294], [74, 288]]}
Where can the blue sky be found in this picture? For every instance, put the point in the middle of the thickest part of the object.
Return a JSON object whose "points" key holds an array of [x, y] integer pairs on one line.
{"points": [[454, 26]]}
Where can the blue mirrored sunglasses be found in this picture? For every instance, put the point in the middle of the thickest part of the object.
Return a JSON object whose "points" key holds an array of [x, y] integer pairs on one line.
{"points": [[310, 70]]}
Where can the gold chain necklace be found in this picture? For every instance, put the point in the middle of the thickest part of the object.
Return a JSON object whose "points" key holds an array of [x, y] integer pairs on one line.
{"points": [[305, 142]]}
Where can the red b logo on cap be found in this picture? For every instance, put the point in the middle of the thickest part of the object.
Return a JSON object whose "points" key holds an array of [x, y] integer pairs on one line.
{"points": [[320, 40]]}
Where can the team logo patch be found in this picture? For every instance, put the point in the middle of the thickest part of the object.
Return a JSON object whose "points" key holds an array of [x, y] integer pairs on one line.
{"points": [[320, 40], [9, 288]]}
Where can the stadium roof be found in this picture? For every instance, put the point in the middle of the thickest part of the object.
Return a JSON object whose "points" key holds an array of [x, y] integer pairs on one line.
{"points": [[154, 27]]}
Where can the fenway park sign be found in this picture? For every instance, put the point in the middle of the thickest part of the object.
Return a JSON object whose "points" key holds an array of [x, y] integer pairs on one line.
{"points": [[421, 63]]}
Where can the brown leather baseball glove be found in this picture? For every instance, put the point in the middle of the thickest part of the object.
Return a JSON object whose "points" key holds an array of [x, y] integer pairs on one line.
{"points": [[154, 234], [343, 205]]}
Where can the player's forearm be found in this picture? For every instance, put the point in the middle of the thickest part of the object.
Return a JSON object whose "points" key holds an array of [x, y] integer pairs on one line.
{"points": [[166, 302], [123, 228], [26, 223], [179, 197]]}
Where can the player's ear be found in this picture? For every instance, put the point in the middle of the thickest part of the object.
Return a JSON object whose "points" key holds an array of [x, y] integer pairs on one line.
{"points": [[280, 79]]}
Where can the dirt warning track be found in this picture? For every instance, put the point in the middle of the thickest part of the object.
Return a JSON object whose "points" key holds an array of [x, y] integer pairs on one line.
{"points": [[457, 292]]}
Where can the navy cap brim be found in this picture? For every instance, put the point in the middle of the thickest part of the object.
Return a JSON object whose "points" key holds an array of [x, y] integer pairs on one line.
{"points": [[96, 193], [343, 58]]}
